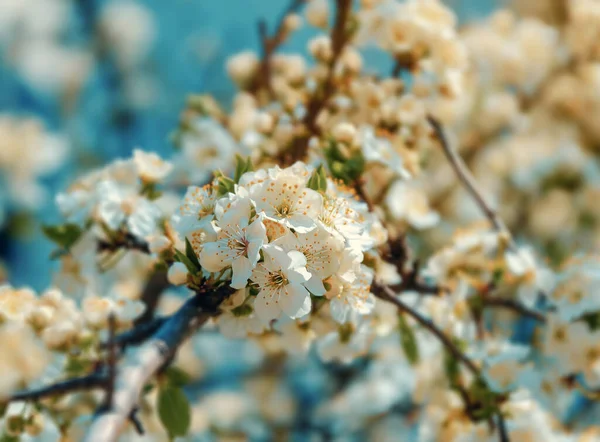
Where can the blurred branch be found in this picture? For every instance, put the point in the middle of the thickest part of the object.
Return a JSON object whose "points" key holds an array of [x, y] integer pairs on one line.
{"points": [[84, 383], [141, 365], [513, 305], [385, 293], [340, 36], [271, 44], [469, 183]]}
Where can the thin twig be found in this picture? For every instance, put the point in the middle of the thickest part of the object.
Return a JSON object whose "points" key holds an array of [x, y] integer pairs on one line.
{"points": [[111, 362], [339, 38], [387, 294], [270, 45], [464, 175], [84, 383], [155, 286], [137, 334], [513, 305]]}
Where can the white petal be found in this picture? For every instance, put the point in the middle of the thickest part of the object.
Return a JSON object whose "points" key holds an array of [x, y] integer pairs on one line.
{"points": [[212, 257], [242, 270], [292, 300], [266, 306]]}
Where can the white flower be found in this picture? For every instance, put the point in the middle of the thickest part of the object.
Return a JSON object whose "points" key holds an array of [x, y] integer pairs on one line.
{"points": [[408, 203], [238, 318], [341, 219], [281, 279], [322, 252], [150, 167], [348, 299], [15, 304], [97, 309], [120, 205], [23, 357], [237, 246], [177, 274], [205, 147], [380, 150], [284, 197], [576, 292], [197, 210], [533, 278], [345, 344]]}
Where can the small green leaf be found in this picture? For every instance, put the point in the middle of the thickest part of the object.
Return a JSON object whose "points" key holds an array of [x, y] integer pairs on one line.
{"points": [[452, 365], [177, 377], [346, 166], [174, 411], [189, 252], [64, 235], [242, 165], [150, 191], [408, 340], [225, 185], [318, 180], [242, 310], [187, 262]]}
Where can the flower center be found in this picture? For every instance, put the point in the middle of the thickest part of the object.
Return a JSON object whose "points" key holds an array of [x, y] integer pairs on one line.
{"points": [[277, 279]]}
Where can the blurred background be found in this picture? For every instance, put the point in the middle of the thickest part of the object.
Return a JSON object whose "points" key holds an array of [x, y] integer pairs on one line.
{"points": [[85, 81]]}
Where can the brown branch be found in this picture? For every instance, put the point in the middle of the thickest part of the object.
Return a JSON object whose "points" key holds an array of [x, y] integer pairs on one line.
{"points": [[125, 241], [155, 286], [513, 305], [387, 294], [270, 45], [84, 383], [339, 38], [465, 177], [140, 366]]}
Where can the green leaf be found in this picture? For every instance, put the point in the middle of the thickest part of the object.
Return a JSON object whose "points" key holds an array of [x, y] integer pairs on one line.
{"points": [[187, 262], [189, 252], [64, 235], [225, 185], [318, 180], [408, 340], [242, 165], [242, 310], [347, 167], [174, 411], [452, 365], [177, 377]]}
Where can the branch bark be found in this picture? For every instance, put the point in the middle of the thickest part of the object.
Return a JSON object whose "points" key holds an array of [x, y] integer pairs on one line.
{"points": [[140, 365]]}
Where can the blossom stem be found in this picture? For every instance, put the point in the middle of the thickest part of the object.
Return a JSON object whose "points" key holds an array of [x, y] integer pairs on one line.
{"points": [[466, 178]]}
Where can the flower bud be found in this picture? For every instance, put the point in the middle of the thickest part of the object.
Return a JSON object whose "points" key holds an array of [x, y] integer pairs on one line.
{"points": [[177, 274], [344, 133], [317, 13], [242, 67]]}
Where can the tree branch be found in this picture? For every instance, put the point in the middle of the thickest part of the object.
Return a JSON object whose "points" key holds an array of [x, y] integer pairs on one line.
{"points": [[270, 45], [513, 305], [465, 177], [89, 382], [339, 39], [387, 294], [141, 365]]}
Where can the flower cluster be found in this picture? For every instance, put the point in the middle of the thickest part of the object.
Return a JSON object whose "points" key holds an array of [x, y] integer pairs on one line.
{"points": [[285, 242]]}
